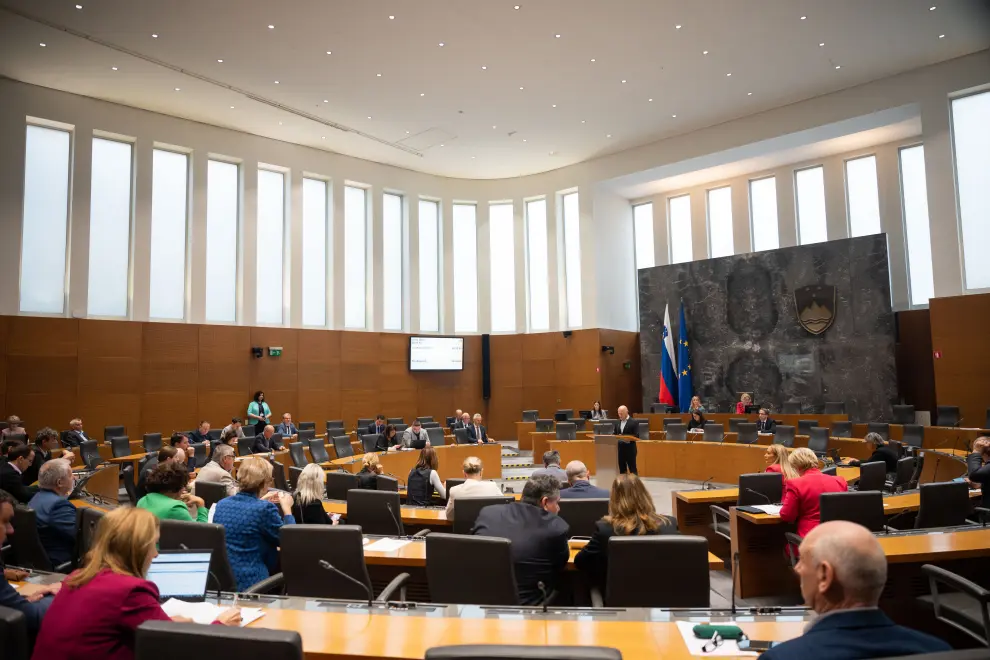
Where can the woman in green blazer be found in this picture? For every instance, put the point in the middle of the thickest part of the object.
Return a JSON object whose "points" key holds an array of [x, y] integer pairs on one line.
{"points": [[167, 496], [258, 413]]}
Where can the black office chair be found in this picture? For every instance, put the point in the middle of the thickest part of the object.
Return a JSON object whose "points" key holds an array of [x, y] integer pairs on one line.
{"points": [[461, 437], [563, 414], [386, 483], [306, 435], [14, 638], [430, 425], [627, 585], [902, 477], [913, 435], [667, 421], [566, 431], [162, 640], [676, 431], [450, 483], [841, 429], [393, 420], [714, 432], [87, 520], [734, 423], [863, 506], [424, 419], [363, 423], [643, 428], [249, 430], [947, 416], [26, 550], [872, 476], [89, 452], [879, 427], [113, 432], [339, 484], [818, 440], [746, 433], [791, 408], [435, 435], [294, 474], [214, 434], [544, 425], [659, 408], [211, 492], [278, 476], [452, 573], [342, 546], [375, 512], [120, 445], [578, 422], [805, 425], [152, 442], [942, 505], [307, 426], [581, 514], [530, 415], [341, 445], [903, 415], [369, 441], [520, 652], [986, 424], [604, 428], [831, 471], [183, 534], [784, 435], [298, 454], [244, 446], [754, 488], [335, 427], [835, 408], [965, 606], [200, 454], [466, 511]]}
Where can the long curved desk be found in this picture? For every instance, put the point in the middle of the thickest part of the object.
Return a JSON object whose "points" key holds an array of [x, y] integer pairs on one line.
{"points": [[450, 458]]}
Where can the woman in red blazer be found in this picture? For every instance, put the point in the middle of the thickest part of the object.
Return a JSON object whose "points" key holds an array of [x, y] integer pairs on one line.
{"points": [[778, 460], [99, 606], [800, 502]]}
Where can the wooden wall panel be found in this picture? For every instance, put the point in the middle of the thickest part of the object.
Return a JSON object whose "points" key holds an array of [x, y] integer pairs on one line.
{"points": [[913, 356], [27, 335], [3, 362], [962, 375], [621, 386], [110, 339]]}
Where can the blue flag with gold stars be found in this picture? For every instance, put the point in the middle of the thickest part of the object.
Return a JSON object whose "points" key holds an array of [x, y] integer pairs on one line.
{"points": [[685, 390]]}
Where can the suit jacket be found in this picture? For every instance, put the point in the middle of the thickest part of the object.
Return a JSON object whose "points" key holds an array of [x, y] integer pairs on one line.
{"points": [[197, 437], [471, 488], [768, 426], [33, 612], [593, 558], [262, 445], [287, 431], [632, 428], [11, 481], [56, 518], [882, 455], [31, 473], [214, 473], [979, 473], [583, 490], [372, 428], [483, 435], [539, 544], [855, 634], [800, 501], [76, 438]]}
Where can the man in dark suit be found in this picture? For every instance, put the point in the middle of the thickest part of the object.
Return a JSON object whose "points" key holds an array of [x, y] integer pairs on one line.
{"points": [[627, 449], [266, 442], [842, 571], [35, 604], [19, 459], [55, 515], [538, 535], [581, 488], [764, 424], [378, 428], [882, 452], [477, 431], [45, 442], [76, 436]]}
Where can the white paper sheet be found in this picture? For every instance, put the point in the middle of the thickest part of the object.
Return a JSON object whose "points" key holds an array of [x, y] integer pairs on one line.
{"points": [[770, 509], [386, 545], [207, 613], [729, 647]]}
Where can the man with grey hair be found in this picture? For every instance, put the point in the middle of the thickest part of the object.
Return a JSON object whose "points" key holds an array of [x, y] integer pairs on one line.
{"points": [[55, 515], [581, 488], [551, 466], [219, 470], [842, 571]]}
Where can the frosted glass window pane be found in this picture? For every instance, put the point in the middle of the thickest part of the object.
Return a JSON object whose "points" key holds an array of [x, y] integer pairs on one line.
{"points": [[971, 146], [916, 226], [810, 187], [271, 227], [109, 228], [863, 196], [355, 256], [720, 222], [763, 209], [169, 190], [46, 210], [392, 262], [539, 268], [465, 241], [680, 229], [572, 259], [501, 239], [643, 227], [222, 195], [429, 266], [314, 253]]}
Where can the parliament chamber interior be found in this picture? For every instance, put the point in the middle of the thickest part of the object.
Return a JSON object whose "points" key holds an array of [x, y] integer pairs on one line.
{"points": [[552, 330]]}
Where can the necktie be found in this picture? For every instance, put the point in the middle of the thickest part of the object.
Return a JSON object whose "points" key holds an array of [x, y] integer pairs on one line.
{"points": [[477, 432]]}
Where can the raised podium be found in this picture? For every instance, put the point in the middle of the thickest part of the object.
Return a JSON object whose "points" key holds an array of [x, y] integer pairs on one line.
{"points": [[606, 460]]}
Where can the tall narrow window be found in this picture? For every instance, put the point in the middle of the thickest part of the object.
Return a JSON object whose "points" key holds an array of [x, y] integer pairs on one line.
{"points": [[971, 146], [810, 188], [465, 240], [46, 219], [271, 230], [679, 212], [572, 259], [392, 262], [643, 228], [862, 196], [502, 241], [355, 256], [763, 212], [720, 222], [539, 269], [429, 266], [917, 231], [314, 252], [109, 228], [222, 214], [169, 201]]}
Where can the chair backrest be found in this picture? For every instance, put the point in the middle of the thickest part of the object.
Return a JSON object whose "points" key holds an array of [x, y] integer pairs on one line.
{"points": [[249, 430], [363, 423], [905, 469], [341, 445], [399, 428], [566, 431], [520, 652], [244, 446], [339, 484], [450, 483], [120, 445], [627, 585], [818, 440], [714, 432], [863, 506], [746, 434], [530, 415], [302, 548], [544, 425], [913, 435], [578, 422], [112, 432], [734, 423], [199, 454], [791, 408], [215, 434], [278, 476], [835, 408], [152, 442], [14, 635], [375, 511], [424, 419], [26, 550], [676, 431], [89, 452], [294, 474], [210, 491], [87, 519], [805, 425], [768, 484], [581, 514], [841, 429], [784, 435], [386, 483], [643, 428], [872, 476], [129, 482], [943, 504], [369, 441], [667, 421], [659, 408], [161, 640], [461, 437], [903, 415], [201, 536], [298, 454], [435, 434], [882, 428], [468, 508], [305, 435], [334, 424], [563, 414], [430, 425], [947, 416], [452, 562], [986, 425], [831, 470], [307, 426], [604, 428]]}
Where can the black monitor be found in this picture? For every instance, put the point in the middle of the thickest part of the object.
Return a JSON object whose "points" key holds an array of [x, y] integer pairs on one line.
{"points": [[752, 408]]}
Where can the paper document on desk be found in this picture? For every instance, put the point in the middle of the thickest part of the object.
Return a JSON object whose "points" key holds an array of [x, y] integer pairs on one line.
{"points": [[386, 545], [729, 647], [207, 613], [769, 509]]}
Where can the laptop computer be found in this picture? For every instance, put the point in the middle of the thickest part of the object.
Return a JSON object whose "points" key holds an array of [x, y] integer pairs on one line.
{"points": [[181, 574]]}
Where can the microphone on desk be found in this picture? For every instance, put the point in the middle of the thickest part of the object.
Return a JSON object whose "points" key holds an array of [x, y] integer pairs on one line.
{"points": [[756, 492], [333, 569], [394, 476], [704, 484], [398, 524], [886, 525], [543, 590]]}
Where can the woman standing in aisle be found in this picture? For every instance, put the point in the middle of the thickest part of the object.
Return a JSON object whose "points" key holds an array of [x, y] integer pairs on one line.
{"points": [[259, 412]]}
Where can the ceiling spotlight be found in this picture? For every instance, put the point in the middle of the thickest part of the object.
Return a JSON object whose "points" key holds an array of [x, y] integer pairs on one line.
{"points": [[516, 7], [422, 93], [557, 36], [231, 107], [524, 139], [623, 82], [838, 66], [609, 135], [276, 82], [43, 45], [749, 93], [220, 61], [494, 127], [329, 53], [804, 18], [521, 88], [271, 27], [441, 145], [704, 52], [931, 9], [178, 89], [472, 157], [441, 44], [379, 75], [280, 123], [555, 105], [553, 153], [325, 101], [677, 27], [154, 36], [391, 18], [369, 116], [483, 68], [78, 6], [407, 132], [674, 116], [113, 68], [941, 36], [650, 100], [592, 59], [728, 75], [821, 45], [582, 121], [323, 137]]}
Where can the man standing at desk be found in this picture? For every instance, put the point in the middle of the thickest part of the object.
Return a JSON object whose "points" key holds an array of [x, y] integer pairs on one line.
{"points": [[627, 449]]}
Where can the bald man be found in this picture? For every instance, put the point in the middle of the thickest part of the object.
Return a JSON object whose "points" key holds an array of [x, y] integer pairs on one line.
{"points": [[843, 570], [627, 426]]}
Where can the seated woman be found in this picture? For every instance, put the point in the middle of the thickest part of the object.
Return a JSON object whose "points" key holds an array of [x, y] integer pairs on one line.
{"points": [[168, 495], [310, 489], [696, 405], [252, 519], [630, 513], [389, 438], [371, 467], [423, 479], [881, 452], [800, 501], [94, 615], [697, 420], [777, 459], [596, 411], [745, 400]]}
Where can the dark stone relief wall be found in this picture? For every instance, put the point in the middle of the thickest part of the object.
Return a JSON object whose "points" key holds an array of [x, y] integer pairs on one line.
{"points": [[745, 335]]}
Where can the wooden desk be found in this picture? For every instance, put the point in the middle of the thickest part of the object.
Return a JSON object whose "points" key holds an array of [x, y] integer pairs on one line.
{"points": [[936, 437], [450, 458], [103, 484], [656, 420], [523, 429]]}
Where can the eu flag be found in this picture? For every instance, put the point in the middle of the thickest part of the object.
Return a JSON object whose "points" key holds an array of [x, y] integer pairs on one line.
{"points": [[685, 390]]}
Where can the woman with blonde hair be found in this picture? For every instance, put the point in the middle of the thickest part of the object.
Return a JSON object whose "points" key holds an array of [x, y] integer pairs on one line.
{"points": [[777, 458], [630, 513], [310, 489], [371, 467], [94, 615], [800, 501], [423, 479]]}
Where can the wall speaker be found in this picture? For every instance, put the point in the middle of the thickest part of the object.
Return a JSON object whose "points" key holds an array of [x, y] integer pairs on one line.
{"points": [[486, 367]]}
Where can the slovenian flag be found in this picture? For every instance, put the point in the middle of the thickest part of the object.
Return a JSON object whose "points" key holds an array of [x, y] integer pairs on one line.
{"points": [[668, 368], [685, 388]]}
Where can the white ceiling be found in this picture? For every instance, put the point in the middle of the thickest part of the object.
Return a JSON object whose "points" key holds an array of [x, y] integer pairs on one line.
{"points": [[435, 109]]}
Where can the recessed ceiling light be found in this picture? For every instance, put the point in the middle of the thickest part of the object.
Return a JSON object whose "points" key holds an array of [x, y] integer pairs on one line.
{"points": [[43, 45], [749, 93], [674, 116], [650, 100], [329, 52], [276, 82], [231, 107], [323, 137], [483, 68], [553, 153], [113, 68], [472, 157], [280, 123], [220, 61], [407, 132], [516, 7], [623, 82], [271, 27], [931, 9], [154, 36], [582, 121], [369, 116], [422, 93], [441, 145], [941, 36], [379, 75], [521, 88], [441, 44], [178, 89], [557, 36], [804, 18], [822, 44], [325, 101], [609, 135], [78, 6], [524, 139], [677, 27], [704, 52], [728, 75], [391, 18], [592, 59], [494, 127], [838, 66]]}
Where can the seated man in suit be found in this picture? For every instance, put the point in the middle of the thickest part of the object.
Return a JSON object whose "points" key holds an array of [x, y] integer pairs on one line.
{"points": [[378, 426], [882, 452], [473, 486], [181, 443], [219, 470], [56, 516], [45, 441], [31, 600], [19, 458], [477, 431], [76, 436], [266, 442], [627, 449], [415, 436], [464, 421], [581, 488], [764, 424], [457, 419], [539, 536], [842, 571], [287, 429], [201, 434], [551, 466]]}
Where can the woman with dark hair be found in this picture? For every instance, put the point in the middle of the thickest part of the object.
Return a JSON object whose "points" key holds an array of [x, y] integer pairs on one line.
{"points": [[168, 497], [390, 438], [259, 413], [596, 411], [423, 479], [697, 420]]}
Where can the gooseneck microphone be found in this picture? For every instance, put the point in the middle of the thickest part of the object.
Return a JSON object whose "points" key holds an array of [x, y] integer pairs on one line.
{"points": [[704, 484], [543, 590], [756, 492], [399, 531], [333, 569], [886, 526]]}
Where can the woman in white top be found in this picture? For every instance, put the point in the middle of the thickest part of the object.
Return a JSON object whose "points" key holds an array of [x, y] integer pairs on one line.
{"points": [[596, 411]]}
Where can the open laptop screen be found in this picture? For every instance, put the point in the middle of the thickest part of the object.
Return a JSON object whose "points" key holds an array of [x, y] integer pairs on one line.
{"points": [[181, 573]]}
